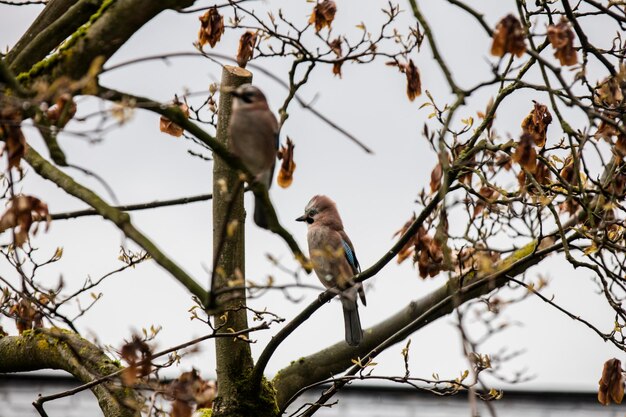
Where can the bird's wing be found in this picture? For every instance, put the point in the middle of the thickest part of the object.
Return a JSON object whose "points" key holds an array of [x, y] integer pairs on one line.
{"points": [[348, 250]]}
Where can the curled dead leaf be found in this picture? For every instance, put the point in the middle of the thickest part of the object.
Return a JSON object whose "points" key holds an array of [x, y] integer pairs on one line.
{"points": [[323, 14], [26, 315], [536, 123], [138, 355], [435, 178], [62, 111], [525, 153], [561, 38], [188, 389], [620, 145], [246, 48], [610, 92], [335, 46], [337, 68], [287, 165], [22, 213], [171, 128], [611, 383], [407, 249], [211, 27], [605, 131], [12, 136], [413, 81], [489, 195], [508, 37], [568, 173]]}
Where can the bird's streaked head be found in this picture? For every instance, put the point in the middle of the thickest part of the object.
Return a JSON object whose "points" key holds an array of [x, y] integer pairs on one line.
{"points": [[321, 209], [247, 95]]}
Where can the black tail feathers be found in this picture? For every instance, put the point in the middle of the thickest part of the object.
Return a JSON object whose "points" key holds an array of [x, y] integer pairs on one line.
{"points": [[259, 214], [352, 322]]}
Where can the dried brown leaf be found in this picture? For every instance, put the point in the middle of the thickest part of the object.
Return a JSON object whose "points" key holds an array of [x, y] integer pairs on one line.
{"points": [[508, 37], [26, 315], [138, 355], [171, 128], [605, 131], [435, 178], [211, 27], [609, 92], [536, 123], [323, 14], [62, 111], [413, 81], [611, 383], [569, 206], [335, 46], [287, 166], [525, 153], [22, 213], [620, 145], [246, 48], [568, 173], [489, 195], [561, 38], [407, 249], [337, 68], [12, 136]]}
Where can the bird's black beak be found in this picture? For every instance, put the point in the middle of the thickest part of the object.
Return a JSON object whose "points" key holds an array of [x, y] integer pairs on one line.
{"points": [[301, 218]]}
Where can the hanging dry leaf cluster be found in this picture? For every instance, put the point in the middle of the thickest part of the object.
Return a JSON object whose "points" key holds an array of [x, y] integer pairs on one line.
{"points": [[190, 392], [509, 37], [138, 354], [323, 14], [26, 314], [12, 136], [211, 27], [62, 111], [561, 38], [611, 383], [426, 250], [246, 48], [22, 214], [287, 165], [171, 128]]}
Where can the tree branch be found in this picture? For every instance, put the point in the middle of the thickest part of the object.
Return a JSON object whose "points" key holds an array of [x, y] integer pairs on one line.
{"points": [[58, 349], [440, 302], [119, 218], [132, 207]]}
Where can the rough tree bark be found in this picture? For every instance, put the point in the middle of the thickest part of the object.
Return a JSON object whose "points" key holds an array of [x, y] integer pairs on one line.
{"points": [[63, 350], [233, 356]]}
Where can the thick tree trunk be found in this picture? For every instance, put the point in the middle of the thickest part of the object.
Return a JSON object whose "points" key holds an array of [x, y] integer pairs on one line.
{"points": [[234, 359]]}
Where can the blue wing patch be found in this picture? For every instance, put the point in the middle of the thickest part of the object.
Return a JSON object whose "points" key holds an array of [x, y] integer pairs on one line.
{"points": [[351, 257]]}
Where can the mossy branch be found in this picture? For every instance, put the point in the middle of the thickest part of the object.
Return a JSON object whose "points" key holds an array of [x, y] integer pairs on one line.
{"points": [[38, 41], [118, 217], [440, 302], [63, 350]]}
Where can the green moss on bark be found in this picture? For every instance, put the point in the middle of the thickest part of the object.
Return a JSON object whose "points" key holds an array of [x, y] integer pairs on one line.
{"points": [[48, 65]]}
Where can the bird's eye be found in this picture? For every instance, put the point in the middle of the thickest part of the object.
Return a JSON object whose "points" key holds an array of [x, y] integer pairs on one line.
{"points": [[247, 97], [309, 220]]}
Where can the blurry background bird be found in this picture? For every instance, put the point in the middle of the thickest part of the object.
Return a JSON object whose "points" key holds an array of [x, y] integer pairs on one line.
{"points": [[334, 260], [254, 138]]}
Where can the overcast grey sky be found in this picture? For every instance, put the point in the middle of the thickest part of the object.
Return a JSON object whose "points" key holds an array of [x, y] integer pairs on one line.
{"points": [[375, 195]]}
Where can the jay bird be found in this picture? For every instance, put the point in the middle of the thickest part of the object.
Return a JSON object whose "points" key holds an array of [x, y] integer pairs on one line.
{"points": [[334, 260], [254, 138]]}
